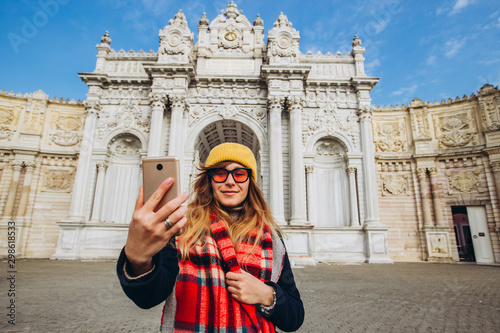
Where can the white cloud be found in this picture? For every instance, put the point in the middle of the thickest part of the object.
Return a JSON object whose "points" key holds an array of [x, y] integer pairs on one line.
{"points": [[453, 47], [431, 60], [489, 62], [405, 91], [459, 5], [372, 65]]}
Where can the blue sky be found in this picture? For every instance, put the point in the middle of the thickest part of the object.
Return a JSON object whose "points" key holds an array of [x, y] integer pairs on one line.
{"points": [[428, 49]]}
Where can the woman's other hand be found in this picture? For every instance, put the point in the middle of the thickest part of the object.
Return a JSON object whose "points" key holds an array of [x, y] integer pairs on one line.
{"points": [[246, 288]]}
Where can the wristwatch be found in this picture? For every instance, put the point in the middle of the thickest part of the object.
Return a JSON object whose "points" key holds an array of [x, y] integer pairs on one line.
{"points": [[267, 309]]}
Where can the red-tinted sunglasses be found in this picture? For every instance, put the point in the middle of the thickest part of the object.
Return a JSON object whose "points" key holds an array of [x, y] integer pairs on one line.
{"points": [[219, 175]]}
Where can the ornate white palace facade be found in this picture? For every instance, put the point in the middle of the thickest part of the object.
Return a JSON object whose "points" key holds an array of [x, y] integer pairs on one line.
{"points": [[347, 181]]}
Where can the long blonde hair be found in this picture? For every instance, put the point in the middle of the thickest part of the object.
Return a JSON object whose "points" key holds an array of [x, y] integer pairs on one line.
{"points": [[255, 213]]}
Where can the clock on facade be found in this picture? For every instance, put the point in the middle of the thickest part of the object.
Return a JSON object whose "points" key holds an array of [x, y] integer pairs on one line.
{"points": [[230, 36]]}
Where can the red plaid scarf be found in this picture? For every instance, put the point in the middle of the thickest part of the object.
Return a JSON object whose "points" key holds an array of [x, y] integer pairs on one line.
{"points": [[203, 302]]}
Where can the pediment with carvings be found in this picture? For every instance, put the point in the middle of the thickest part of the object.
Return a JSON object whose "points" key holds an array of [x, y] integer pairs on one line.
{"points": [[230, 34]]}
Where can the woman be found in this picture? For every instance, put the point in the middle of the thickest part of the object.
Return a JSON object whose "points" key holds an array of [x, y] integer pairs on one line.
{"points": [[229, 267]]}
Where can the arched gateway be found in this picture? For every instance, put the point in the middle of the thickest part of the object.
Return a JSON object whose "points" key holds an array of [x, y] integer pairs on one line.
{"points": [[307, 118]]}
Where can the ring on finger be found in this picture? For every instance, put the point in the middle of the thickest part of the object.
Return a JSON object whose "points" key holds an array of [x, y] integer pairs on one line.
{"points": [[169, 224]]}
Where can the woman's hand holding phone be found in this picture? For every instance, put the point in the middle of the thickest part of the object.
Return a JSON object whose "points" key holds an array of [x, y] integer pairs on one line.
{"points": [[148, 232]]}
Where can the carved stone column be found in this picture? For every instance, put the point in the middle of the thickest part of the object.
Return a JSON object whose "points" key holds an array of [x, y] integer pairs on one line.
{"points": [[99, 191], [176, 142], [297, 177], [11, 197], [156, 129], [82, 183], [311, 213], [28, 177], [370, 178], [495, 168], [425, 196], [276, 160], [436, 199], [353, 197]]}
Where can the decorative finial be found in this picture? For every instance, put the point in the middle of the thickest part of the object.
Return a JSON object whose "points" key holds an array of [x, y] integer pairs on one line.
{"points": [[204, 19], [179, 20], [282, 21], [356, 42], [232, 11], [487, 89], [258, 21], [105, 39]]}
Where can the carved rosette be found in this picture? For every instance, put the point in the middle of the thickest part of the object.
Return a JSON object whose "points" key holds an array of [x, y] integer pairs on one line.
{"points": [[395, 185], [464, 181]]}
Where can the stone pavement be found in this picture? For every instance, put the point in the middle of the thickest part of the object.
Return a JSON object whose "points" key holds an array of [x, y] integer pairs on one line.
{"points": [[74, 296]]}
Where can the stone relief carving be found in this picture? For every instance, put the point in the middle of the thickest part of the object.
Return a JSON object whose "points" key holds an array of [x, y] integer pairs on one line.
{"points": [[455, 131], [234, 91], [126, 92], [126, 145], [331, 119], [337, 97], [438, 243], [34, 118], [176, 41], [464, 181], [128, 116], [230, 34], [395, 185], [390, 136], [329, 148], [490, 107], [66, 131], [419, 119], [283, 42], [228, 111], [8, 120], [58, 180]]}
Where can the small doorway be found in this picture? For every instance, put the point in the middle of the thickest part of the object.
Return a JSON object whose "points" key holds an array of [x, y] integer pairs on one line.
{"points": [[472, 234], [463, 234]]}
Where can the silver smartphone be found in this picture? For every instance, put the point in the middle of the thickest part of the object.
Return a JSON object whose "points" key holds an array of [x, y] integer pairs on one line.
{"points": [[154, 171]]}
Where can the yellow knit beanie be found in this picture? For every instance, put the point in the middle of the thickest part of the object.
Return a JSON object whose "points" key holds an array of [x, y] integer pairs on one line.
{"points": [[233, 152]]}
